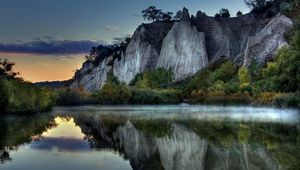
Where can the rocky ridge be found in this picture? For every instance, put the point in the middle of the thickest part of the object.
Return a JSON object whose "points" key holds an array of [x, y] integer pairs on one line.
{"points": [[188, 45]]}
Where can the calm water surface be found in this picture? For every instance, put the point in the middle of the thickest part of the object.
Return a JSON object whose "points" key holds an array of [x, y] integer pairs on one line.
{"points": [[152, 137]]}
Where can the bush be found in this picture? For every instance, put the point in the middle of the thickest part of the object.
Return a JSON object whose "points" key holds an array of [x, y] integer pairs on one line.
{"points": [[244, 76], [288, 100], [3, 95], [224, 73], [112, 93], [72, 97], [155, 79], [266, 98], [150, 96], [24, 97], [278, 73]]}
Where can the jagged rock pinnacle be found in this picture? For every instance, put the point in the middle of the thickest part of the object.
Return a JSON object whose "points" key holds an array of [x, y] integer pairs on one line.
{"points": [[185, 15]]}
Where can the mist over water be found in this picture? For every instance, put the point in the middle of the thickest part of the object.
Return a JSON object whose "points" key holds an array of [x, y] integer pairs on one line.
{"points": [[152, 137]]}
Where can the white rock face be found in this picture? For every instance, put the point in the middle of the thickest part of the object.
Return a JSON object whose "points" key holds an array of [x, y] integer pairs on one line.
{"points": [[92, 77], [183, 49], [182, 150], [142, 52], [135, 59], [264, 44], [137, 146]]}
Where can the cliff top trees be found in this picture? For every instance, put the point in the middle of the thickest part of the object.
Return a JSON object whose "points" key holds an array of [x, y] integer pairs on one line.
{"points": [[224, 13], [239, 13], [178, 15], [257, 3], [151, 13], [154, 14]]}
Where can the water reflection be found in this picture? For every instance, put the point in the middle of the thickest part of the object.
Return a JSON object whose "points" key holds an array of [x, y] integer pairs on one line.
{"points": [[173, 137]]}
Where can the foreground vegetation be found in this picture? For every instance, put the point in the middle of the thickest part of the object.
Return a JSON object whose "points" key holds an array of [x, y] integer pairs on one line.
{"points": [[18, 96]]}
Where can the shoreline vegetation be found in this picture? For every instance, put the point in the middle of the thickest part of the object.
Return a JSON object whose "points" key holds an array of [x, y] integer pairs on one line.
{"points": [[275, 83]]}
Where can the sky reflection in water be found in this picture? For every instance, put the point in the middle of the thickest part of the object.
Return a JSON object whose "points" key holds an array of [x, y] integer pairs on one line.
{"points": [[152, 137]]}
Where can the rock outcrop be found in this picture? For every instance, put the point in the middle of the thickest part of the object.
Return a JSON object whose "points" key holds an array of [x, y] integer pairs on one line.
{"points": [[142, 52], [183, 49], [92, 77], [188, 45]]}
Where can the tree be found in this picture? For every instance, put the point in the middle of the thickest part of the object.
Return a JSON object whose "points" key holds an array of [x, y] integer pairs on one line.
{"points": [[225, 72], [224, 13], [217, 15], [178, 15], [4, 97], [6, 69], [239, 13], [253, 4], [152, 13], [244, 76], [166, 16]]}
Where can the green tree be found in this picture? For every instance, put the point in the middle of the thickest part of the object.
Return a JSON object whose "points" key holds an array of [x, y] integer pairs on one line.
{"points": [[225, 72], [4, 97], [244, 76], [152, 13]]}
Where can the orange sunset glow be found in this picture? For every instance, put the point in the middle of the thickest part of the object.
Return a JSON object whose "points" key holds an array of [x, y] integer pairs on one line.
{"points": [[36, 68]]}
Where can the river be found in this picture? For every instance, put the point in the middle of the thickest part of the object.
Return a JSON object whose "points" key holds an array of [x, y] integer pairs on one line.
{"points": [[187, 137]]}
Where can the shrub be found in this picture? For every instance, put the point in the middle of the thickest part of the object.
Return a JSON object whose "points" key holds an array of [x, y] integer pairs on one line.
{"points": [[24, 97], [151, 96], [288, 100], [72, 97], [266, 98], [283, 74], [244, 76], [112, 93], [3, 95], [155, 79], [225, 72]]}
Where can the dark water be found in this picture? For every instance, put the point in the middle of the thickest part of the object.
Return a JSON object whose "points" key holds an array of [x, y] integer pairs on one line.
{"points": [[152, 137]]}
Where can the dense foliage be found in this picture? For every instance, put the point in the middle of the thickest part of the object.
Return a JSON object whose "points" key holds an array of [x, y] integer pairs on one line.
{"points": [[147, 88], [18, 96]]}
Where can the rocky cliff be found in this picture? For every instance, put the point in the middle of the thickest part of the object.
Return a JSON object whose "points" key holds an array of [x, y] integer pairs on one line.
{"points": [[188, 45], [183, 49]]}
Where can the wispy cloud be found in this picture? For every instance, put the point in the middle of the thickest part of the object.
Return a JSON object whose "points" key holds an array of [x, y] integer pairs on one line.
{"points": [[121, 38], [50, 47], [111, 28]]}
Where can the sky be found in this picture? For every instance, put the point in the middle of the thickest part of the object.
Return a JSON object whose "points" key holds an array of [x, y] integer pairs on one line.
{"points": [[48, 39]]}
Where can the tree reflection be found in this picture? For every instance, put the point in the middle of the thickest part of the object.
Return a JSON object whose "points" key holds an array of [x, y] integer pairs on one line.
{"points": [[18, 130], [4, 156]]}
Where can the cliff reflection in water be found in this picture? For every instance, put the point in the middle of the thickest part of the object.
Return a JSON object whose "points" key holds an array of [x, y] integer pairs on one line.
{"points": [[160, 137]]}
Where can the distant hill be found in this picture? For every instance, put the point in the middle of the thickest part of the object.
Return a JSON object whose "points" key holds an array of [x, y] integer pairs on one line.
{"points": [[54, 83]]}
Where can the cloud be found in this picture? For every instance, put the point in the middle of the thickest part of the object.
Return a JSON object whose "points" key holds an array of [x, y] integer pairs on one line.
{"points": [[121, 38], [111, 28], [50, 47]]}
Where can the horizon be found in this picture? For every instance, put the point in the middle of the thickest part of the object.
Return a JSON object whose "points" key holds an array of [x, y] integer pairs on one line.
{"points": [[50, 46]]}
